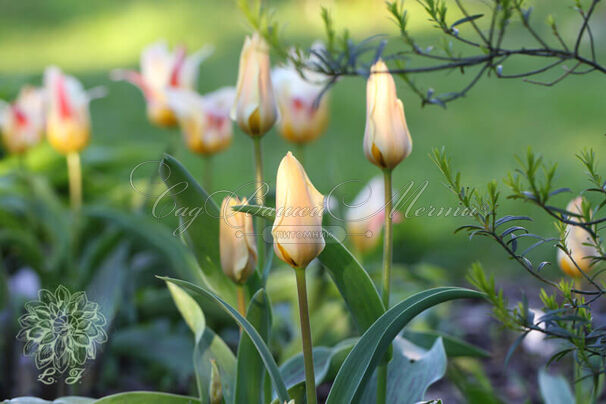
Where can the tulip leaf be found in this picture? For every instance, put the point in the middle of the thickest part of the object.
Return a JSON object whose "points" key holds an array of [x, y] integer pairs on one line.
{"points": [[208, 297], [147, 397], [208, 346], [351, 279], [555, 389], [61, 400], [410, 372], [250, 369], [454, 347], [374, 343]]}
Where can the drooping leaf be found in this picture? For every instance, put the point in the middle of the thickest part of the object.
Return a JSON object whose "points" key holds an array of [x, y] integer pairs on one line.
{"points": [[372, 346], [555, 389], [207, 297], [250, 369], [410, 372], [454, 347], [146, 397]]}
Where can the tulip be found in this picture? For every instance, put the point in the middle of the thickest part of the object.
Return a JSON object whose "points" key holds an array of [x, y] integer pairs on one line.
{"points": [[204, 119], [297, 229], [298, 239], [161, 70], [22, 122], [576, 238], [237, 242], [387, 140], [366, 216], [301, 121], [68, 120], [255, 108]]}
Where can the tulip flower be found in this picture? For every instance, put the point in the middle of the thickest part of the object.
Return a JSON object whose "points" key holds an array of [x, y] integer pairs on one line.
{"points": [[576, 240], [204, 119], [161, 70], [366, 215], [387, 140], [298, 239], [301, 121], [22, 122], [255, 108], [237, 245], [68, 123]]}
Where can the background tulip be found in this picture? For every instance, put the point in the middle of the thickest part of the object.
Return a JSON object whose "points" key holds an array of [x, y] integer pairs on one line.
{"points": [[161, 70], [68, 119], [255, 108], [297, 229], [237, 241], [576, 237], [300, 120], [204, 120], [366, 215], [22, 122], [387, 140]]}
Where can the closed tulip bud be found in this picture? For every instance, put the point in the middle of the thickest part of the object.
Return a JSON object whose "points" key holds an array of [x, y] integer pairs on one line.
{"points": [[387, 140], [576, 238], [163, 70], [255, 108], [300, 120], [68, 119], [204, 120], [236, 241], [297, 229], [366, 216], [22, 122]]}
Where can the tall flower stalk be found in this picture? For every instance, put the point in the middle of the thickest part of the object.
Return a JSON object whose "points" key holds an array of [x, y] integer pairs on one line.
{"points": [[255, 112], [387, 142], [294, 190], [74, 171]]}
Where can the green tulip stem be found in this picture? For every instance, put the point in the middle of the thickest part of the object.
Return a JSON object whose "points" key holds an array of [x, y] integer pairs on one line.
{"points": [[300, 153], [207, 179], [259, 221], [310, 381], [241, 300], [74, 173], [387, 256]]}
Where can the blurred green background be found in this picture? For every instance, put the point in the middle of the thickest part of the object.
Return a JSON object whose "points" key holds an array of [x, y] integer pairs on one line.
{"points": [[482, 132]]}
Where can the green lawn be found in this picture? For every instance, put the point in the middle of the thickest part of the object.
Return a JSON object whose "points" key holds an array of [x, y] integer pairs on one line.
{"points": [[482, 132]]}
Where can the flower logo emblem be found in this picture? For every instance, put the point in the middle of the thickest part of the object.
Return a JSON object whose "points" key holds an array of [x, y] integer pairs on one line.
{"points": [[61, 331]]}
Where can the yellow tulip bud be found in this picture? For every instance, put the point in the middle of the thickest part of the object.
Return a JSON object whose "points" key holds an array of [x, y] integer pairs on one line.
{"points": [[387, 140], [576, 237], [22, 122], [68, 120], [204, 120], [255, 108], [297, 229], [236, 241], [300, 120]]}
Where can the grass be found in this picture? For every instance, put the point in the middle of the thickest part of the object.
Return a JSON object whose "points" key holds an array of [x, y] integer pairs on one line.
{"points": [[482, 132]]}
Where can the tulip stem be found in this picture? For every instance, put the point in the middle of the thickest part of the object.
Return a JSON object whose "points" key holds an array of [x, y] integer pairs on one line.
{"points": [[310, 381], [387, 256], [300, 152], [74, 172], [241, 300], [207, 179], [259, 221]]}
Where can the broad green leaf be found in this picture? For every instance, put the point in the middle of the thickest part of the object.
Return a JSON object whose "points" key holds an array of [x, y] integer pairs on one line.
{"points": [[555, 389], [211, 298], [372, 346], [250, 369], [454, 347], [296, 393], [410, 373], [62, 400], [351, 279], [200, 232], [325, 359], [208, 346], [146, 397]]}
